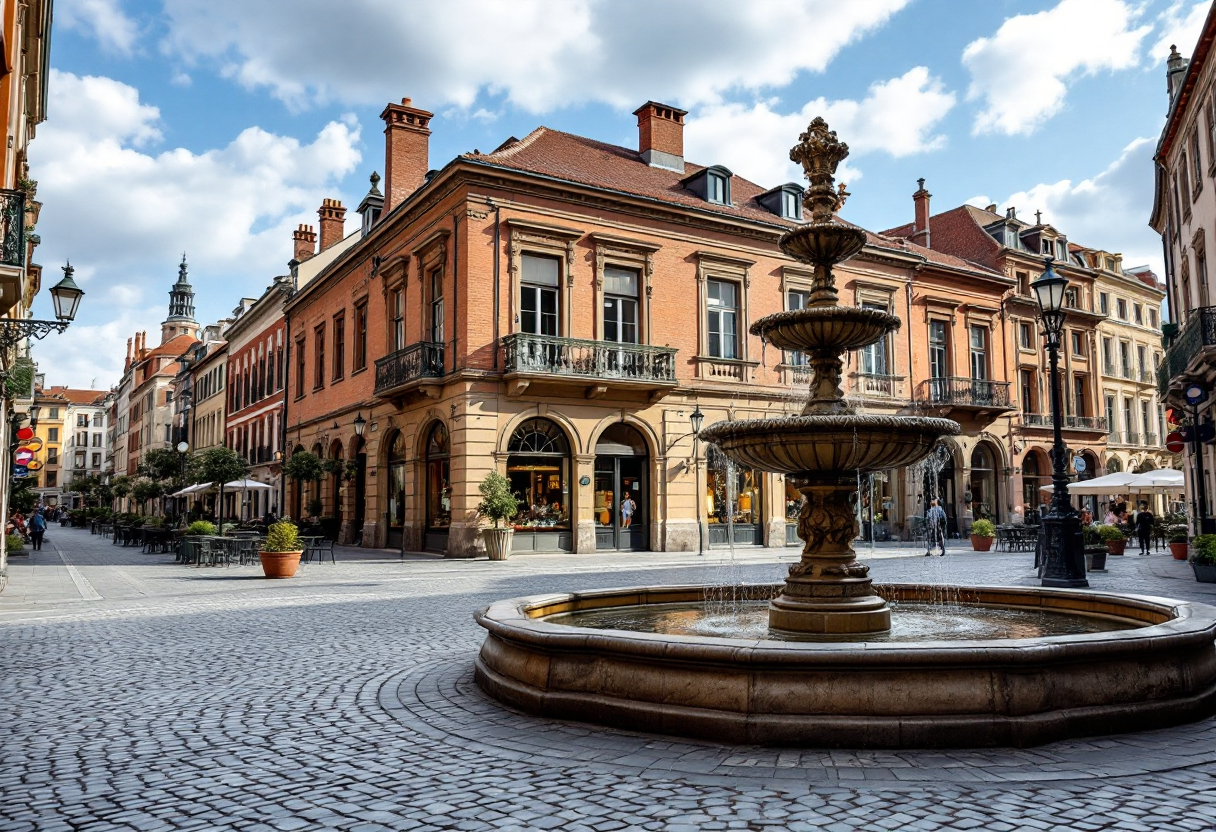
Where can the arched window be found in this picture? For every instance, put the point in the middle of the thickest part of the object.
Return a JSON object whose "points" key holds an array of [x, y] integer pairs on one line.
{"points": [[396, 482], [438, 479], [983, 484], [538, 466]]}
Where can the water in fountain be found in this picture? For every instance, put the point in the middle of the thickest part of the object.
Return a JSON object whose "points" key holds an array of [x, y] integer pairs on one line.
{"points": [[925, 475], [726, 592]]}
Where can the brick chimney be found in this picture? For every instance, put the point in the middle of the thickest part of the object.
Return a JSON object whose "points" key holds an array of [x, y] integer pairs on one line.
{"points": [[304, 242], [920, 227], [1175, 72], [661, 135], [127, 366], [406, 151], [333, 222]]}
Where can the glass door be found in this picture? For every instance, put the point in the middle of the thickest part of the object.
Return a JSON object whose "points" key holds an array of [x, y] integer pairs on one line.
{"points": [[620, 503]]}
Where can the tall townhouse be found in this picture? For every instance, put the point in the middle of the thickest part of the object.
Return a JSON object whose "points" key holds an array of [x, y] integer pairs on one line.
{"points": [[208, 367], [1129, 340], [52, 408], [556, 310], [1184, 213], [1018, 250], [84, 448]]}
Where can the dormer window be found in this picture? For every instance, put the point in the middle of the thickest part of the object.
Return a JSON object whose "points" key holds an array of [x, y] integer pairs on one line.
{"points": [[784, 201], [711, 184], [1049, 248]]}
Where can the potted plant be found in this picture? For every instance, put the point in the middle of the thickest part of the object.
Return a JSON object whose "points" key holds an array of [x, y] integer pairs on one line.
{"points": [[1203, 558], [1095, 549], [1114, 539], [281, 550], [201, 528], [982, 535], [1178, 543], [497, 504]]}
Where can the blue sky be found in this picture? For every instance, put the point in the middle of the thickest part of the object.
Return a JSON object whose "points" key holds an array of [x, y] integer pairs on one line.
{"points": [[214, 128]]}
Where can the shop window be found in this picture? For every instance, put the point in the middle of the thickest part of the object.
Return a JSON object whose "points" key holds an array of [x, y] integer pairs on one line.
{"points": [[733, 501], [538, 465], [396, 483], [438, 479]]}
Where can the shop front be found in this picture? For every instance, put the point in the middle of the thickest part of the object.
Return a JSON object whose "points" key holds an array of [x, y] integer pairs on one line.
{"points": [[734, 501], [538, 466], [396, 491], [621, 496]]}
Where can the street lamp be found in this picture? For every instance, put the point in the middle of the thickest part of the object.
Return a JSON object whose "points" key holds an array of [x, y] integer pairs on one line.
{"points": [[1060, 542]]}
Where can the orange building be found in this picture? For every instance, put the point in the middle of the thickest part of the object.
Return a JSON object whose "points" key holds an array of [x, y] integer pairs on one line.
{"points": [[556, 309]]}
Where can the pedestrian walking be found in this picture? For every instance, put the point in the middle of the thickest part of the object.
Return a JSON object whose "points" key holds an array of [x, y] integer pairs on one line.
{"points": [[936, 521], [37, 530], [1144, 527]]}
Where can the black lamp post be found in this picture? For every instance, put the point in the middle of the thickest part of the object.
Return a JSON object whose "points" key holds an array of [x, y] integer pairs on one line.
{"points": [[696, 419], [1060, 540]]}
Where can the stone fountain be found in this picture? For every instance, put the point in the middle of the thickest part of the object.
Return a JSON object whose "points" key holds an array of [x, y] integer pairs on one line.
{"points": [[828, 591], [994, 666]]}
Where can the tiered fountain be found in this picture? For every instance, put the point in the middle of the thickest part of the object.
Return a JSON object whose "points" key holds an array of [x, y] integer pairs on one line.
{"points": [[999, 666]]}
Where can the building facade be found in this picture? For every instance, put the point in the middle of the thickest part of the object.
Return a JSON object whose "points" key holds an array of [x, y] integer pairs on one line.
{"points": [[84, 449], [52, 409]]}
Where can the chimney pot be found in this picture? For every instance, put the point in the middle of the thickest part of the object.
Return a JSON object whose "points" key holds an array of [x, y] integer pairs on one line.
{"points": [[920, 226], [406, 151], [304, 242], [333, 222], [661, 135]]}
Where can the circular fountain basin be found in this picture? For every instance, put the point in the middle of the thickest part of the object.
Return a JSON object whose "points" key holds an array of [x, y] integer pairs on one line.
{"points": [[835, 328], [829, 444], [1146, 663]]}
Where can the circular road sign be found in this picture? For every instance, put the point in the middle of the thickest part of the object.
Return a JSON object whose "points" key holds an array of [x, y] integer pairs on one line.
{"points": [[33, 444], [1194, 394], [33, 465], [23, 456], [1174, 443], [1078, 465], [25, 434]]}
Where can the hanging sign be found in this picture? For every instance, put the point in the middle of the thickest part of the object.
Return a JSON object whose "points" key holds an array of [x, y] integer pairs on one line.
{"points": [[23, 456], [25, 434], [20, 472], [33, 444], [34, 465], [1175, 442]]}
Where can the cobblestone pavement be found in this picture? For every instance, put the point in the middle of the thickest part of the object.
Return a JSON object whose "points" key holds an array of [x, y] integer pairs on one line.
{"points": [[139, 694]]}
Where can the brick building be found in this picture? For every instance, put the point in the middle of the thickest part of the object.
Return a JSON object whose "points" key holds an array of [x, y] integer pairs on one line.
{"points": [[556, 309]]}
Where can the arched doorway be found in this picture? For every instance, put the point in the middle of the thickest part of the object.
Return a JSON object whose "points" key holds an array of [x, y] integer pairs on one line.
{"points": [[297, 492], [336, 485], [538, 465], [734, 497], [1036, 473], [360, 515], [395, 491], [438, 489], [621, 495], [982, 485]]}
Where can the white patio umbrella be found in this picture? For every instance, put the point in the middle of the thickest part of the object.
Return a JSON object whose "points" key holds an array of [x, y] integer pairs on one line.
{"points": [[1110, 484], [1161, 481], [247, 484]]}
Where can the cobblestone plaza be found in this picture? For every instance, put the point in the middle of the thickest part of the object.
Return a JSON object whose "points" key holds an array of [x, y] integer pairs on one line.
{"points": [[144, 695]]}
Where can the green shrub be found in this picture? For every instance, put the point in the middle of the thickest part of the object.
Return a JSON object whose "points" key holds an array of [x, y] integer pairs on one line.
{"points": [[1090, 534], [983, 528], [1203, 550], [1110, 534], [201, 527], [282, 537], [497, 501], [15, 543], [1177, 534]]}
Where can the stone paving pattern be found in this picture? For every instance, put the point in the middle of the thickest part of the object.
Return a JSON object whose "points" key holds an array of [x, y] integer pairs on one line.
{"points": [[142, 695]]}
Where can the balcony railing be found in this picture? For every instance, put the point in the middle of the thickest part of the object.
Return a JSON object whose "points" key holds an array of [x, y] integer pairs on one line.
{"points": [[12, 227], [1130, 437], [1198, 332], [421, 360], [1126, 371], [1108, 369], [1043, 420], [575, 357], [879, 386], [1150, 440], [964, 392], [1146, 376]]}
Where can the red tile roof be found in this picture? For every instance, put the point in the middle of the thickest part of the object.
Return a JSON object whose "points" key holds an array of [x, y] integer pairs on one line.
{"points": [[72, 395], [960, 231], [585, 161]]}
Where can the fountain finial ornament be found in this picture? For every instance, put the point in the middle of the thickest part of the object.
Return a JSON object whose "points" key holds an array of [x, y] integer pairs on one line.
{"points": [[819, 152]]}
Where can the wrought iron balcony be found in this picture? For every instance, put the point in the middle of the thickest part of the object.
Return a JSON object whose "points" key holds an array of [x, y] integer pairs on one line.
{"points": [[401, 369], [1197, 333], [12, 228], [1043, 420], [1097, 423], [964, 392], [598, 362]]}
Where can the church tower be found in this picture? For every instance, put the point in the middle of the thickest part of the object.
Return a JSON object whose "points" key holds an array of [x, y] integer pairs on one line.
{"points": [[181, 308]]}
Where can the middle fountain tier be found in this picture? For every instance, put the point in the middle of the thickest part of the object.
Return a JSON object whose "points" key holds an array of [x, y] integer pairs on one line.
{"points": [[824, 449]]}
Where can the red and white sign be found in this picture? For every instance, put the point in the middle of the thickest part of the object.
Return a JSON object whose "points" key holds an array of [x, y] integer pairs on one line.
{"points": [[1174, 443], [23, 456]]}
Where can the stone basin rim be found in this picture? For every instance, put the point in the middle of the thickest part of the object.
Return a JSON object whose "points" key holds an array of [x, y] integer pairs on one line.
{"points": [[849, 421], [520, 619]]}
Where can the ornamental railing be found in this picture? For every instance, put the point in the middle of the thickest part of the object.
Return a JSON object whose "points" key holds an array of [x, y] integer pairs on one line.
{"points": [[527, 353], [12, 227], [965, 392], [421, 360], [1198, 332], [879, 386]]}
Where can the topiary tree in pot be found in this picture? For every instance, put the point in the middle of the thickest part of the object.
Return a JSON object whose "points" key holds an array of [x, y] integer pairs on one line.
{"points": [[281, 550], [1178, 542], [1114, 539], [498, 504]]}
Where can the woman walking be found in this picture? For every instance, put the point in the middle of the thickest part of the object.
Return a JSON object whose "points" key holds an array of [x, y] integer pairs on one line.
{"points": [[37, 529]]}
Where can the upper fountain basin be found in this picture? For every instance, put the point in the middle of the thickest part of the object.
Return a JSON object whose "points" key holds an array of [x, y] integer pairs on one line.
{"points": [[822, 243], [836, 328], [829, 444]]}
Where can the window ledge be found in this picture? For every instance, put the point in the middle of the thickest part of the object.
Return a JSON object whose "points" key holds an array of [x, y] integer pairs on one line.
{"points": [[356, 372]]}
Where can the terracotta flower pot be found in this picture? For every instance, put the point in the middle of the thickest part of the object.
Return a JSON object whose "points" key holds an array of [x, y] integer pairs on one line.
{"points": [[280, 564], [1116, 547], [981, 544], [1179, 550]]}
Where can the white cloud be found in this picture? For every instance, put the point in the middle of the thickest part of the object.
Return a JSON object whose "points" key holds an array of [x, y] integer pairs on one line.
{"points": [[1109, 211], [123, 212], [896, 117], [1022, 73], [103, 20], [1180, 26], [546, 55]]}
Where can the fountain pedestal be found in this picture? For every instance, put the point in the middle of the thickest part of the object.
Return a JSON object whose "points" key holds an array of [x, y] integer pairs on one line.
{"points": [[828, 591]]}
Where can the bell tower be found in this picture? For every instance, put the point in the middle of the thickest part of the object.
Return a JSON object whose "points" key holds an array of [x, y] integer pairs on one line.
{"points": [[181, 308]]}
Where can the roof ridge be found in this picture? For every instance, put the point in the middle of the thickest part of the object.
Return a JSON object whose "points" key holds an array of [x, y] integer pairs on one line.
{"points": [[522, 144]]}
